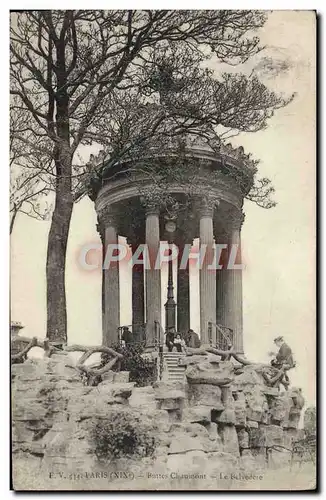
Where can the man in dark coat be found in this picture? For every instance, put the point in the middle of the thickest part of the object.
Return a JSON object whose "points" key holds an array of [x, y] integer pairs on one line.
{"points": [[169, 338], [284, 357], [126, 335], [192, 339]]}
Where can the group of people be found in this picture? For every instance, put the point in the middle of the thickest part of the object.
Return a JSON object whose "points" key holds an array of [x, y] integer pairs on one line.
{"points": [[180, 342], [174, 340]]}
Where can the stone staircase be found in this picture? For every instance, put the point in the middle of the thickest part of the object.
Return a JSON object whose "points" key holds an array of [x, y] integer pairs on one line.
{"points": [[173, 371]]}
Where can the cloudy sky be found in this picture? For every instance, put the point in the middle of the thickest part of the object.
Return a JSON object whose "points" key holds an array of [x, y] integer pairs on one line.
{"points": [[278, 244]]}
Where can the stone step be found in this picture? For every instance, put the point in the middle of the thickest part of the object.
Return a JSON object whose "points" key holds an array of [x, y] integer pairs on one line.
{"points": [[173, 354], [175, 371], [175, 379]]}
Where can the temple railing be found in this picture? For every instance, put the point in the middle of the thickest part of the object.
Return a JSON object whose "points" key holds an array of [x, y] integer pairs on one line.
{"points": [[224, 336], [159, 343], [140, 339]]}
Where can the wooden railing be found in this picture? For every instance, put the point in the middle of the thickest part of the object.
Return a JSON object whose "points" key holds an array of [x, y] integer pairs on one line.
{"points": [[91, 372], [21, 355]]}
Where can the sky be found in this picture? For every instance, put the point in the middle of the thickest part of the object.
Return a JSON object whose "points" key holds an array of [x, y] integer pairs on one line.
{"points": [[278, 245]]}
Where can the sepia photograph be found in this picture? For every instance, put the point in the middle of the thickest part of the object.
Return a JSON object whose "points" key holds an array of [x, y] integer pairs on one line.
{"points": [[163, 250]]}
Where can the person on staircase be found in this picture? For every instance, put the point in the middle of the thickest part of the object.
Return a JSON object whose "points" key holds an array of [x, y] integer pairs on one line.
{"points": [[192, 339], [169, 338], [179, 343]]}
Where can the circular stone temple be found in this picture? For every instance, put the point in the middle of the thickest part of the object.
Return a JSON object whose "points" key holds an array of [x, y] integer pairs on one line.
{"points": [[174, 196]]}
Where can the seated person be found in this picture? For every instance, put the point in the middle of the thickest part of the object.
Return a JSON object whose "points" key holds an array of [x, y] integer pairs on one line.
{"points": [[179, 343], [192, 339], [284, 357], [169, 338]]}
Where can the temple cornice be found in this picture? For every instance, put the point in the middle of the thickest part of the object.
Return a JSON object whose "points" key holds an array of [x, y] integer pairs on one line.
{"points": [[123, 189]]}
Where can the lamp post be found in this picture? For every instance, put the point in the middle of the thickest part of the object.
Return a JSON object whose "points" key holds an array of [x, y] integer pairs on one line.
{"points": [[170, 305]]}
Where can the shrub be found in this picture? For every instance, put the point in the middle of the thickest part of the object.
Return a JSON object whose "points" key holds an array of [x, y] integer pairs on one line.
{"points": [[142, 371], [122, 436]]}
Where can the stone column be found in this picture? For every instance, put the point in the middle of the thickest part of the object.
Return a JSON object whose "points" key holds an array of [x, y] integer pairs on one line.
{"points": [[153, 276], [207, 277], [111, 316], [229, 287], [183, 294], [137, 298], [221, 238]]}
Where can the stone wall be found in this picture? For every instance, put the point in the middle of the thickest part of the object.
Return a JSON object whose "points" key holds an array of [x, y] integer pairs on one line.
{"points": [[224, 419]]}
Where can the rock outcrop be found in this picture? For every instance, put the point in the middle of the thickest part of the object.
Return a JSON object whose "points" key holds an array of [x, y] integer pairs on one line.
{"points": [[224, 416]]}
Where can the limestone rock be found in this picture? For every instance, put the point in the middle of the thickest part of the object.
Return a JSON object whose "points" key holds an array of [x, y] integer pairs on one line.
{"points": [[212, 430], [201, 414], [229, 439], [271, 391], [205, 373], [221, 461], [280, 408], [121, 377], [249, 379], [182, 444], [163, 393], [252, 424], [143, 397], [226, 416], [294, 418], [205, 394], [240, 413], [170, 404], [291, 436], [196, 430], [279, 459], [297, 398], [255, 405], [243, 439], [188, 462], [309, 421], [108, 376], [170, 400], [247, 462], [266, 436]]}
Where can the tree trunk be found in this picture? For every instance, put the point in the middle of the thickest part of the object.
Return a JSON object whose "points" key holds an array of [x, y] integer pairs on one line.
{"points": [[56, 254], [12, 219]]}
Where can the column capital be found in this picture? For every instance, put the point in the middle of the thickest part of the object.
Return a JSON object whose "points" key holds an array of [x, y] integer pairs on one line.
{"points": [[106, 216], [151, 208], [235, 219], [206, 206], [151, 201]]}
